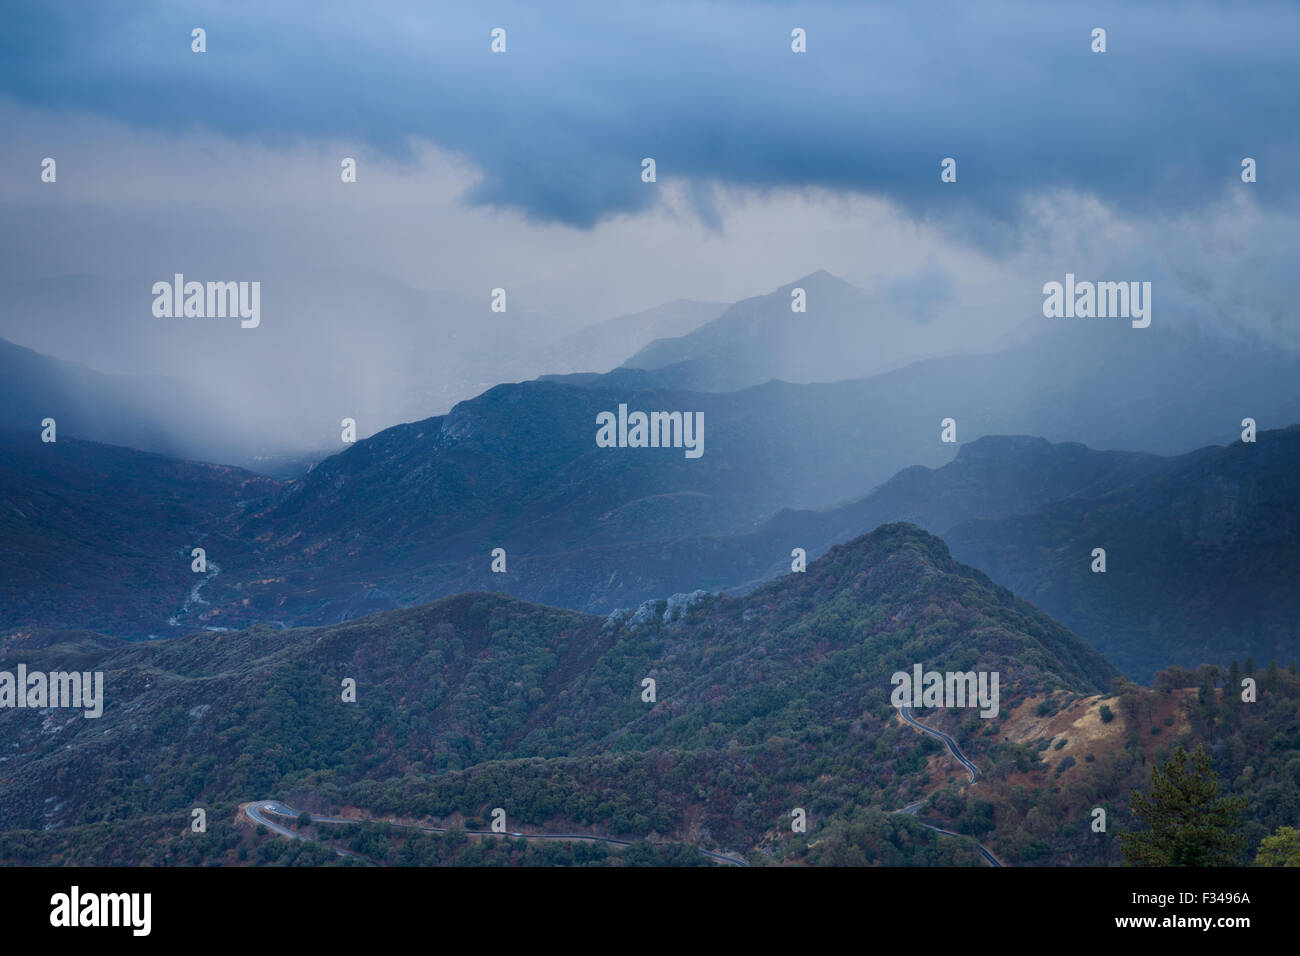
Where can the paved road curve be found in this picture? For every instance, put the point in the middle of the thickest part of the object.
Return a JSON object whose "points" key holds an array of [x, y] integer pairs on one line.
{"points": [[262, 810], [974, 771], [257, 812]]}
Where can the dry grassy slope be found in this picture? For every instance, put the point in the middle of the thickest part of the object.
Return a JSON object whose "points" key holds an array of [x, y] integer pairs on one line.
{"points": [[1078, 722]]}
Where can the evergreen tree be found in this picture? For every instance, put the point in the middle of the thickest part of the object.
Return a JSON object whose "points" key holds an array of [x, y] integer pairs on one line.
{"points": [[1188, 823]]}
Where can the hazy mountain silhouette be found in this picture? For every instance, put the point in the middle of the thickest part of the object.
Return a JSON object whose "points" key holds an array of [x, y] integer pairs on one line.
{"points": [[1202, 555], [329, 346], [761, 338], [603, 346]]}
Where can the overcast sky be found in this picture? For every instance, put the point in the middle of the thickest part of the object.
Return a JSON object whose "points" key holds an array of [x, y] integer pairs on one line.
{"points": [[523, 169]]}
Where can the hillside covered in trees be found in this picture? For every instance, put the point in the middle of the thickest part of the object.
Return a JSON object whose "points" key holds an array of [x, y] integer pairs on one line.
{"points": [[762, 703]]}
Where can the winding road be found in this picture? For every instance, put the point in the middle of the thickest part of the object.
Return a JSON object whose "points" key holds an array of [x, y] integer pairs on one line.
{"points": [[974, 771], [262, 810]]}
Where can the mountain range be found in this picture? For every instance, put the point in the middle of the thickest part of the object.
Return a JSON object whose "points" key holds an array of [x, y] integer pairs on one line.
{"points": [[775, 700], [330, 347], [523, 687], [794, 675], [415, 512]]}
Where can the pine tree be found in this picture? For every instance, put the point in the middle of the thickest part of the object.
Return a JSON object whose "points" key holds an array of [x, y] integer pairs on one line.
{"points": [[1188, 823]]}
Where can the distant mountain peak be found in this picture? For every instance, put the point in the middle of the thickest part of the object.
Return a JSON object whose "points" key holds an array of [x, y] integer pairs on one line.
{"points": [[822, 279]]}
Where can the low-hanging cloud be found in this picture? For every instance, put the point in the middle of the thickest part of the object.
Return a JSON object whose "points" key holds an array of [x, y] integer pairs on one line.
{"points": [[558, 124]]}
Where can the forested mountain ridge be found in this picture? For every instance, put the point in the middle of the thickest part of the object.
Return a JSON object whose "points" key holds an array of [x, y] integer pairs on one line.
{"points": [[480, 679]]}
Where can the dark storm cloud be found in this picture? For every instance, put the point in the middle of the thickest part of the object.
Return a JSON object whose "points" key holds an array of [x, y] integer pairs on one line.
{"points": [[559, 124]]}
